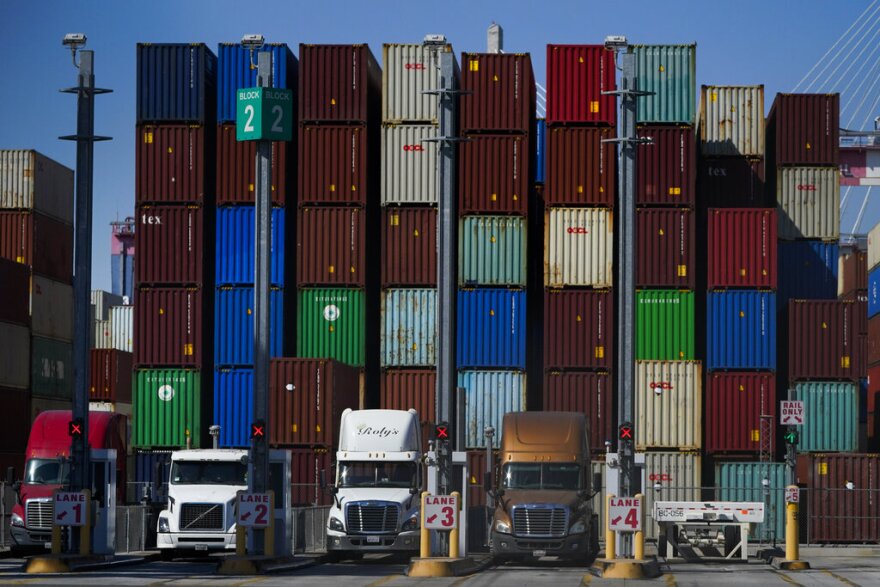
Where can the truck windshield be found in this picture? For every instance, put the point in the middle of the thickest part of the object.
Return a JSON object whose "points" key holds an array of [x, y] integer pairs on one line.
{"points": [[208, 473], [373, 474], [46, 472], [565, 476]]}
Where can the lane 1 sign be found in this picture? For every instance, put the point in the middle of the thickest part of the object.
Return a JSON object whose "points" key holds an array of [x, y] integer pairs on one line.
{"points": [[264, 114], [70, 508], [441, 512], [254, 509], [791, 413], [625, 514]]}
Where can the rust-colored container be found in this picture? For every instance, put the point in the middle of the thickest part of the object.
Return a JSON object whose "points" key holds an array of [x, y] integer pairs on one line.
{"points": [[307, 398], [873, 389], [853, 273], [171, 165], [331, 246], [733, 182], [822, 340], [170, 241], [168, 328], [402, 389], [110, 376], [742, 248], [306, 465], [409, 247], [16, 419], [40, 242], [477, 469], [587, 392], [581, 170], [493, 174], [665, 255], [874, 340], [578, 329], [236, 169], [804, 130], [338, 83], [860, 299], [15, 293], [499, 92], [333, 165], [838, 514], [666, 174], [577, 76], [735, 402]]}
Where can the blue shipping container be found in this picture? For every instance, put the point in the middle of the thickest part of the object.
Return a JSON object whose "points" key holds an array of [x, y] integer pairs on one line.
{"points": [[409, 328], [741, 330], [540, 145], [234, 325], [831, 416], [151, 469], [873, 292], [807, 270], [491, 329], [122, 275], [235, 72], [176, 82], [234, 406], [235, 246], [488, 396]]}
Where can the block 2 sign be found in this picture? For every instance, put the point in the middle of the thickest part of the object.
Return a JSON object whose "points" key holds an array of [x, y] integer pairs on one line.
{"points": [[625, 514]]}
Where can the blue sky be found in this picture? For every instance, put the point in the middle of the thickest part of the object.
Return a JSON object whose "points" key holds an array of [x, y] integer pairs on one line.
{"points": [[774, 42]]}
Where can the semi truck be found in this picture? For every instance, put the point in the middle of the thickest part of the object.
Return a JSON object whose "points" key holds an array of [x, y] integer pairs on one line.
{"points": [[543, 499]]}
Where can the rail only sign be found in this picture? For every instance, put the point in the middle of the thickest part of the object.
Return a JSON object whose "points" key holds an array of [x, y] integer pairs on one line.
{"points": [[264, 114], [254, 509], [441, 512], [791, 413], [625, 514], [70, 508]]}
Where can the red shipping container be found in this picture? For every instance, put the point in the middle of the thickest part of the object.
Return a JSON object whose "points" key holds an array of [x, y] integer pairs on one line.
{"points": [[477, 470], [587, 392], [110, 376], [306, 465], [409, 247], [402, 389], [493, 174], [331, 246], [873, 340], [742, 248], [338, 83], [873, 389], [236, 169], [581, 170], [168, 328], [578, 329], [16, 419], [170, 165], [499, 92], [860, 299], [822, 340], [333, 165], [171, 245], [735, 402], [665, 240], [42, 243], [804, 129], [733, 182], [855, 272], [15, 292], [666, 174], [577, 76]]}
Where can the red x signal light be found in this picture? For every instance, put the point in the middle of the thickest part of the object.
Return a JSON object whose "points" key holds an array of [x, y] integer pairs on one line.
{"points": [[258, 430], [75, 428], [625, 431], [441, 431]]}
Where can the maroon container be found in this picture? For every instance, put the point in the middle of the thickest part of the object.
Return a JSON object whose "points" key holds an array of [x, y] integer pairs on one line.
{"points": [[15, 292], [733, 182], [331, 246], [409, 247], [855, 272], [499, 92], [587, 392], [493, 174], [860, 299], [168, 328], [236, 169], [666, 174], [742, 248], [838, 514], [333, 165], [170, 242], [804, 129], [306, 465], [16, 419], [578, 329], [735, 402], [873, 388], [170, 165], [110, 376], [307, 398], [403, 389], [580, 168], [338, 83], [42, 243], [822, 340], [477, 469], [577, 76], [873, 340], [665, 239]]}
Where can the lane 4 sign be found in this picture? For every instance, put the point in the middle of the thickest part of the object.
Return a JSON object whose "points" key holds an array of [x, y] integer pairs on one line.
{"points": [[70, 508], [254, 509], [791, 413], [441, 512], [625, 514]]}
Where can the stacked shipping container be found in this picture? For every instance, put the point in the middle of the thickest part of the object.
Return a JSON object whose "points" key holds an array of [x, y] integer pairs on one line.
{"points": [[872, 342]]}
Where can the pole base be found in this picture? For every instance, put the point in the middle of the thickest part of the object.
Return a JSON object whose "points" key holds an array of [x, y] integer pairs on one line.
{"points": [[786, 565], [441, 567], [61, 563], [626, 569]]}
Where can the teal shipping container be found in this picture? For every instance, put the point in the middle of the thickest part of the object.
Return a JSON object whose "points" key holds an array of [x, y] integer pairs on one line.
{"points": [[488, 396], [744, 481], [670, 72], [831, 416], [492, 250], [409, 328]]}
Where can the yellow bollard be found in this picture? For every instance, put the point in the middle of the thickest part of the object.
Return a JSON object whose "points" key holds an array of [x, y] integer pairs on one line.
{"points": [[424, 535], [269, 533], [56, 539], [610, 537], [453, 534], [792, 547], [639, 538], [240, 540]]}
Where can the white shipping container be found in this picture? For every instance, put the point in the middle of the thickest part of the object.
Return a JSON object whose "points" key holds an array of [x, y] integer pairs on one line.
{"points": [[809, 203], [668, 408], [407, 72], [578, 247], [31, 181], [409, 165], [51, 307], [15, 358], [102, 300], [101, 335], [732, 120], [121, 327], [117, 407], [670, 476], [874, 247]]}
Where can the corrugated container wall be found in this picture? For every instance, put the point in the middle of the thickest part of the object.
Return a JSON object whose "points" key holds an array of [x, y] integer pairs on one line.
{"points": [[741, 329], [171, 245], [167, 408], [581, 169], [587, 392], [234, 405], [409, 246], [492, 250], [152, 469], [831, 410], [331, 324], [577, 77], [491, 329], [51, 308], [540, 150], [236, 171], [668, 408], [102, 302], [168, 327], [122, 327], [173, 164], [873, 341], [852, 273], [402, 389], [665, 255], [176, 82], [669, 71], [234, 325], [732, 121], [874, 246], [331, 246], [409, 164], [488, 396], [409, 328], [733, 182], [666, 173], [333, 165], [110, 375], [735, 402], [744, 481], [32, 181], [493, 174], [17, 420], [306, 466], [235, 246], [578, 247], [680, 478], [15, 360], [44, 244], [51, 368], [499, 92], [408, 71], [578, 329], [15, 294], [338, 83], [234, 72], [664, 325], [742, 248], [807, 270], [804, 129], [874, 292], [101, 337], [822, 340], [809, 203]]}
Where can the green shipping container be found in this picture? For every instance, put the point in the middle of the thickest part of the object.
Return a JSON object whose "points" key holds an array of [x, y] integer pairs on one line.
{"points": [[51, 368], [331, 325], [664, 325], [166, 405], [492, 250], [831, 416], [670, 72], [745, 482]]}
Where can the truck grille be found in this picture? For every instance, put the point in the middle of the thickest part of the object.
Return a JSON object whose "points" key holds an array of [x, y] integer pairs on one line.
{"points": [[369, 517], [39, 515], [201, 516], [539, 521]]}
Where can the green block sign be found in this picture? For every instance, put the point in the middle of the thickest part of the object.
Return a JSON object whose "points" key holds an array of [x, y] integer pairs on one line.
{"points": [[264, 114]]}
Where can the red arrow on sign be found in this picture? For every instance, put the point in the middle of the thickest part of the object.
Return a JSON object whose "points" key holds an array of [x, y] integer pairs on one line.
{"points": [[431, 519], [614, 521], [246, 515], [62, 515]]}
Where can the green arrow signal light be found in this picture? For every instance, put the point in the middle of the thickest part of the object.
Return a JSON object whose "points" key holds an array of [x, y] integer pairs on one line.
{"points": [[791, 437]]}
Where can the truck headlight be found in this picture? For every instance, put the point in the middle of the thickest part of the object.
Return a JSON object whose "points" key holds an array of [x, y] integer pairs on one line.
{"points": [[502, 527], [17, 521], [164, 526], [336, 524], [411, 524], [578, 528]]}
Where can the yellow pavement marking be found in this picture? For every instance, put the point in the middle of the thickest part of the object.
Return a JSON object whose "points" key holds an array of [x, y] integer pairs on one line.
{"points": [[787, 579], [841, 579], [670, 579], [383, 580], [588, 578]]}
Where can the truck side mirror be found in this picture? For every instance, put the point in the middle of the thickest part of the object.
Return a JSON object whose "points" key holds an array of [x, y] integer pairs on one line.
{"points": [[597, 482], [10, 476]]}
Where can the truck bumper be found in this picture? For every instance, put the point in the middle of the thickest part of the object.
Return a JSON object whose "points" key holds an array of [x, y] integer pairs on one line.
{"points": [[195, 541], [403, 542], [30, 538], [572, 546]]}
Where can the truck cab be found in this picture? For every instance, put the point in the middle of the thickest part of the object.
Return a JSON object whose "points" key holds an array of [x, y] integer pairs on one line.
{"points": [[378, 483], [543, 502]]}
